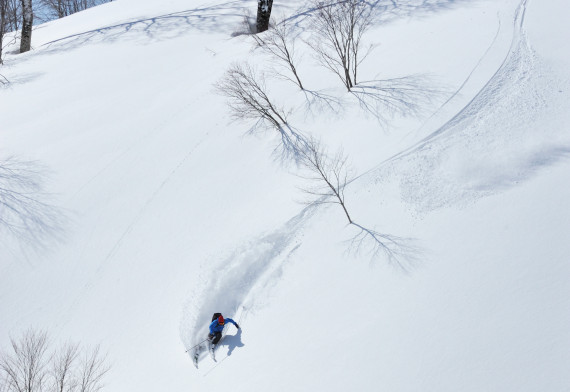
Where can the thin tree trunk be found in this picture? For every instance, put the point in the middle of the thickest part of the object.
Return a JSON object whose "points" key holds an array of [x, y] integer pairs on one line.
{"points": [[2, 24], [263, 14], [27, 22]]}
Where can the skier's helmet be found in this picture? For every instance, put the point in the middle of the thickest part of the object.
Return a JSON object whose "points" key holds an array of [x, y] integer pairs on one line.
{"points": [[221, 320]]}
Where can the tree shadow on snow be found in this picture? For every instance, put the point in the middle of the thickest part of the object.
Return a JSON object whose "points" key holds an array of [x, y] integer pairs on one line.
{"points": [[407, 96], [401, 253], [390, 10], [26, 213], [211, 19]]}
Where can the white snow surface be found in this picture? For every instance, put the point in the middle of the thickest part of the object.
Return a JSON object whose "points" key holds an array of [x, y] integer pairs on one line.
{"points": [[174, 211]]}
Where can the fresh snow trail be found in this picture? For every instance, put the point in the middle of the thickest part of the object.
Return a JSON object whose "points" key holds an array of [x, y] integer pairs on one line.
{"points": [[242, 278]]}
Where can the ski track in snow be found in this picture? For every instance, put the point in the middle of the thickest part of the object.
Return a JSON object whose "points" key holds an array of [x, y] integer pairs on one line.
{"points": [[515, 99], [239, 279]]}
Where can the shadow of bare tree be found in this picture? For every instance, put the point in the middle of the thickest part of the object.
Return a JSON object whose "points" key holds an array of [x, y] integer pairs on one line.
{"points": [[206, 19], [388, 10], [24, 211], [405, 96], [320, 102], [401, 253]]}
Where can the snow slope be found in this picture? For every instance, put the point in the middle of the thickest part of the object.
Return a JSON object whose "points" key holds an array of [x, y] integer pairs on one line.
{"points": [[173, 211]]}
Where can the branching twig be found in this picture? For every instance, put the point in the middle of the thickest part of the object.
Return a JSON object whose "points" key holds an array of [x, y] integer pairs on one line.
{"points": [[327, 176], [248, 100], [339, 27], [93, 369], [280, 45], [31, 367]]}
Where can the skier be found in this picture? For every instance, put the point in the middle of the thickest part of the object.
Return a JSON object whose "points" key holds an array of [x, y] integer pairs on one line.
{"points": [[217, 326]]}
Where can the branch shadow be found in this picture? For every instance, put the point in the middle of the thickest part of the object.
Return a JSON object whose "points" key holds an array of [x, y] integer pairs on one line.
{"points": [[208, 19], [25, 211], [317, 102], [402, 253], [386, 11], [408, 96]]}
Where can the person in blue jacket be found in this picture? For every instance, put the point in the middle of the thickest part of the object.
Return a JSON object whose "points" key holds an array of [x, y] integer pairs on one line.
{"points": [[217, 326]]}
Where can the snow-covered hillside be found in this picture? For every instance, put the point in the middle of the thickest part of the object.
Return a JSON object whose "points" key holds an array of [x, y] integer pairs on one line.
{"points": [[169, 210]]}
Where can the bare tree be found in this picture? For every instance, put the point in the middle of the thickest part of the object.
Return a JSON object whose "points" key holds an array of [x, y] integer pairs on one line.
{"points": [[25, 369], [27, 23], [338, 27], [327, 175], [30, 367], [248, 98], [10, 19], [63, 8], [280, 45], [263, 14], [62, 369], [327, 178], [246, 90], [3, 23], [93, 369], [13, 15]]}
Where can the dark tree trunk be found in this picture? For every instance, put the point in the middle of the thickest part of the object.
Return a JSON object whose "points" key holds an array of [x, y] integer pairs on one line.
{"points": [[27, 22], [263, 14], [2, 24]]}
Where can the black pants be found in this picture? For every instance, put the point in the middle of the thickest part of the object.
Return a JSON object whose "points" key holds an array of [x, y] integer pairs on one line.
{"points": [[215, 338]]}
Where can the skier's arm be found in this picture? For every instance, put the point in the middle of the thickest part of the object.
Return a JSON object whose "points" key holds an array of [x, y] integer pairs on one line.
{"points": [[229, 320], [212, 325]]}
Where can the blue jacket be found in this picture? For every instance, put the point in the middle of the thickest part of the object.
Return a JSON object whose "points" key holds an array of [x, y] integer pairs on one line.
{"points": [[217, 327]]}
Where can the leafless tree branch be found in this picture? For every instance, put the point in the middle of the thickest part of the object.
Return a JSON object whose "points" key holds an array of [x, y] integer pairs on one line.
{"points": [[248, 99], [338, 28], [25, 369], [247, 93], [93, 369], [62, 366], [327, 176], [279, 43], [30, 367], [61, 8]]}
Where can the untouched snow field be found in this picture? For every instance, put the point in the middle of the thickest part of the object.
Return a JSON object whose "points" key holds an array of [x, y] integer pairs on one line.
{"points": [[173, 211]]}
